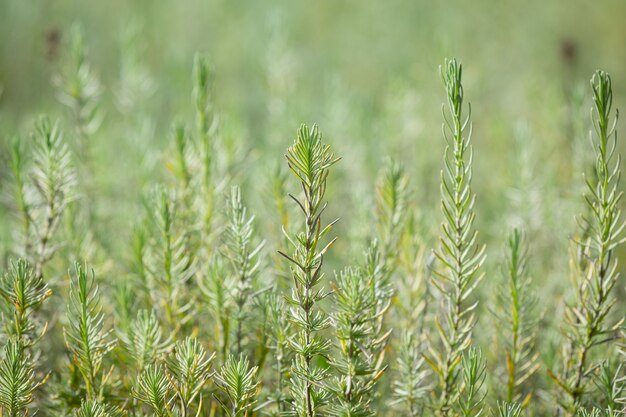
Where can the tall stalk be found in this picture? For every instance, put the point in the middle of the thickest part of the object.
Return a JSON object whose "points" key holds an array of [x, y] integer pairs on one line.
{"points": [[588, 319], [309, 159], [459, 254], [515, 313]]}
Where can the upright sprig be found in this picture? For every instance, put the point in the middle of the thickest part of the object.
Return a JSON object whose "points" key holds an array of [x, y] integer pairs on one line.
{"points": [[310, 160], [412, 383], [80, 90], [44, 186], [174, 389], [588, 319], [409, 388], [391, 204], [238, 380], [18, 163], [611, 385], [279, 332], [17, 380], [153, 389], [472, 394], [144, 340], [207, 129], [188, 370], [92, 408], [168, 263], [243, 252], [24, 292], [381, 258], [508, 410], [595, 412], [85, 335], [359, 363], [215, 292], [515, 313], [459, 254]]}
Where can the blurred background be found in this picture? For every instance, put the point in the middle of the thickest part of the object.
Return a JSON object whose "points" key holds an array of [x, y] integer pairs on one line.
{"points": [[365, 71]]}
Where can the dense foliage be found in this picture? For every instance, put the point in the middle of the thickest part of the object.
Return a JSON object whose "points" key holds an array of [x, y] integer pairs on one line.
{"points": [[234, 286]]}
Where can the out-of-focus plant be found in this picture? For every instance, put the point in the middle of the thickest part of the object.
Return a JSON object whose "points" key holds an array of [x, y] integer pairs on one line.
{"points": [[589, 321], [515, 315], [44, 186]]}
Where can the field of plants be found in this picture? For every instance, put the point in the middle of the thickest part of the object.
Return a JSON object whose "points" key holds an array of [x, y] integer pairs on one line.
{"points": [[312, 209]]}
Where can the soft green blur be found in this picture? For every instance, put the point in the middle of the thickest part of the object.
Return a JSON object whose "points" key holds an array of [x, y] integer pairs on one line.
{"points": [[365, 71]]}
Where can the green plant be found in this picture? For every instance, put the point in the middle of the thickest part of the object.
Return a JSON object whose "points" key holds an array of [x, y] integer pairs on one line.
{"points": [[215, 293], [279, 329], [44, 186], [588, 318], [153, 389], [509, 410], [91, 408], [391, 205], [472, 395], [360, 344], [85, 336], [188, 370], [144, 341], [515, 313], [213, 297], [207, 131], [243, 254], [239, 382], [610, 385], [24, 292], [17, 380], [459, 255], [80, 90], [409, 388], [309, 159], [168, 264]]}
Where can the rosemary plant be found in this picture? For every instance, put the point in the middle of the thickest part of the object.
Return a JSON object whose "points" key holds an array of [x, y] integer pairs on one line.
{"points": [[144, 341], [459, 255], [169, 266], [91, 408], [193, 320], [24, 291], [17, 380], [409, 389], [589, 318], [309, 159], [44, 186], [279, 330], [207, 128], [360, 344], [516, 303], [611, 386], [216, 295], [471, 393], [85, 336], [239, 382], [391, 205], [508, 410], [80, 90], [243, 254], [173, 387], [153, 389], [188, 369]]}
